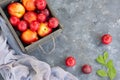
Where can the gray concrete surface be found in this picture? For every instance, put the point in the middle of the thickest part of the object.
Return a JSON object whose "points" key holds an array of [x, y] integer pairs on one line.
{"points": [[85, 21]]}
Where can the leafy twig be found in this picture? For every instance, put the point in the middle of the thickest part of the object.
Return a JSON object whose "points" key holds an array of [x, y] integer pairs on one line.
{"points": [[108, 64]]}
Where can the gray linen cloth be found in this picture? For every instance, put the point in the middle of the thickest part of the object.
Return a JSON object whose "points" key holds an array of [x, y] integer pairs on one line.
{"points": [[25, 67]]}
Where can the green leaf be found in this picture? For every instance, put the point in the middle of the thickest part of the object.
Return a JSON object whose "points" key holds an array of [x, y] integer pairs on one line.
{"points": [[109, 64], [102, 73], [111, 70], [105, 56], [100, 60], [112, 73]]}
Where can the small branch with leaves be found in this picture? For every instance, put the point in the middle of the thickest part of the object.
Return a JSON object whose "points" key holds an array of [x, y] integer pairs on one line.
{"points": [[110, 70]]}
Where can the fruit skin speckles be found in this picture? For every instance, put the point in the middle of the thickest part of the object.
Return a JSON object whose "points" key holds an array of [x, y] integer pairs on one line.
{"points": [[86, 69], [14, 20], [45, 12], [40, 4], [70, 61], [41, 17], [34, 25], [29, 36], [16, 9], [43, 30], [22, 26], [30, 16], [29, 5], [53, 22], [106, 39]]}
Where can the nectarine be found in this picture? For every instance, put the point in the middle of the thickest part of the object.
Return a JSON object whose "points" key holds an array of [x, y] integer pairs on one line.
{"points": [[29, 36], [29, 5], [16, 9], [44, 30]]}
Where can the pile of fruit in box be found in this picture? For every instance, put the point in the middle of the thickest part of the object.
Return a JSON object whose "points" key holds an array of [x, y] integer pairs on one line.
{"points": [[32, 19]]}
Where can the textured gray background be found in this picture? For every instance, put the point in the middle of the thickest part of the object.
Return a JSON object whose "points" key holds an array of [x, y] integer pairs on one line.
{"points": [[85, 21]]}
